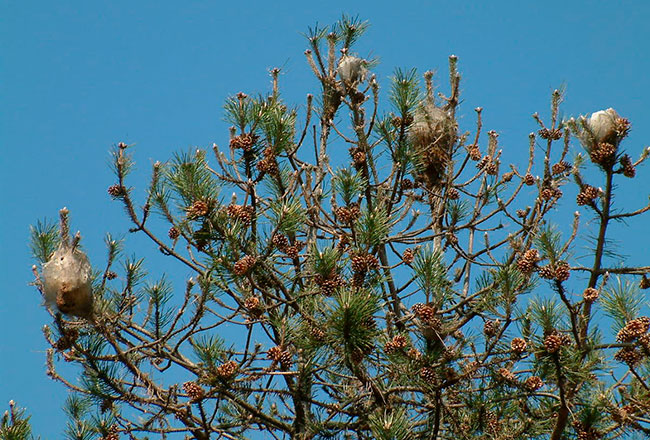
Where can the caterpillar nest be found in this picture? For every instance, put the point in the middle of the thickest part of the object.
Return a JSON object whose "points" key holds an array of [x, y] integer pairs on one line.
{"points": [[352, 70], [432, 134], [67, 277]]}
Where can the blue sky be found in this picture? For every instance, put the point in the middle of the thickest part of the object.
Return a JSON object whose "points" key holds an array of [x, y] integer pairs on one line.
{"points": [[78, 77]]}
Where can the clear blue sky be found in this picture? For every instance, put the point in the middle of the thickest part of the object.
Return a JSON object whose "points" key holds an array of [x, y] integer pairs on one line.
{"points": [[78, 77]]}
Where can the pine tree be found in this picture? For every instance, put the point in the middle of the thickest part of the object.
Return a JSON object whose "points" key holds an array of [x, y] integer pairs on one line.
{"points": [[415, 290]]}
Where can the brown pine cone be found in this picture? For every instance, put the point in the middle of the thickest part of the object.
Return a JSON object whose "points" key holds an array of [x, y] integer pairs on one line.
{"points": [[547, 193], [553, 342], [545, 133], [518, 345], [562, 271], [529, 179], [397, 343], [590, 294], [474, 153], [244, 265], [528, 261], [586, 195], [644, 283], [408, 256], [227, 369], [507, 177], [453, 194], [547, 272], [292, 252], [507, 375], [492, 168], [428, 374], [561, 167], [629, 355], [280, 241], [244, 214], [414, 354], [268, 166], [200, 208], [173, 233], [116, 191], [633, 329], [194, 391], [534, 383], [603, 154], [426, 314], [628, 167], [407, 184], [254, 306], [316, 333], [244, 141], [275, 353], [490, 328], [484, 162]]}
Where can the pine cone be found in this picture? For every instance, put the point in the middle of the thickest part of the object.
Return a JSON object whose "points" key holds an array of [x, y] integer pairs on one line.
{"points": [[518, 345], [317, 333], [280, 241], [243, 214], [547, 272], [528, 261], [474, 153], [644, 283], [490, 328], [484, 162], [428, 374], [253, 305], [534, 383], [603, 154], [590, 294], [116, 191], [628, 167], [275, 353], [194, 391], [507, 375], [244, 141], [407, 184], [562, 271], [397, 343], [521, 213], [173, 233], [244, 265], [348, 214], [359, 158], [426, 314], [622, 127], [453, 194], [408, 256], [529, 179], [553, 342], [507, 177], [587, 195], [561, 167], [492, 168], [414, 354], [545, 133], [547, 193], [292, 252], [66, 340], [200, 208], [227, 369], [633, 329], [629, 355]]}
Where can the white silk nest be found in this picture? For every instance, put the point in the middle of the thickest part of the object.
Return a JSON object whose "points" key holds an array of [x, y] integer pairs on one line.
{"points": [[67, 280]]}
